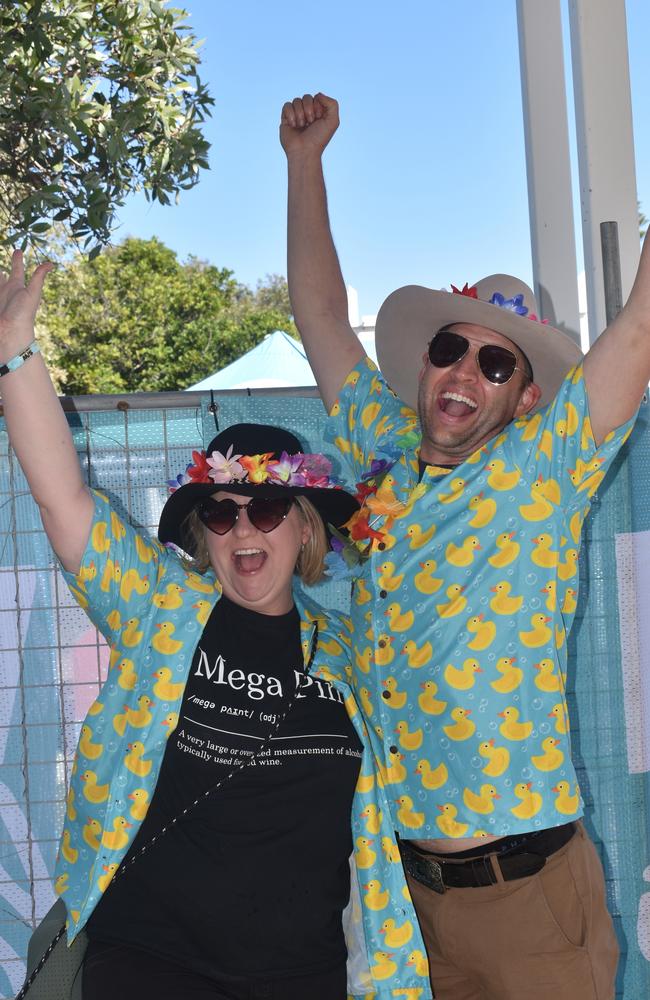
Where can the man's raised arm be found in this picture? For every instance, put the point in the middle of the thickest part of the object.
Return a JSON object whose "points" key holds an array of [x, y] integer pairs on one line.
{"points": [[617, 368], [316, 286]]}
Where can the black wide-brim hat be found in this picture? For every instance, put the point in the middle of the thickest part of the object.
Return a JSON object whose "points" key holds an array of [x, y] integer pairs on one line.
{"points": [[334, 504]]}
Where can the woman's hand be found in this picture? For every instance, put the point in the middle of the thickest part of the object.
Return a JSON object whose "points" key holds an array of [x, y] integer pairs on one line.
{"points": [[18, 305]]}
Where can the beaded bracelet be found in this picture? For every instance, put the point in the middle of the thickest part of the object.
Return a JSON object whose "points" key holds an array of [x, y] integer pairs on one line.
{"points": [[20, 359]]}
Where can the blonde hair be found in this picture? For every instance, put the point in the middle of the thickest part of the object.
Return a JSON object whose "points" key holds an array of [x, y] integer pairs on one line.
{"points": [[310, 565]]}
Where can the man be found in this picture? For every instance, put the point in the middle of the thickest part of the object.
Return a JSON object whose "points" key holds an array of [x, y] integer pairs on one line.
{"points": [[465, 558]]}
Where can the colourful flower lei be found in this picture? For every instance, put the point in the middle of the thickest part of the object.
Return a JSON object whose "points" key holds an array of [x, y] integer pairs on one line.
{"points": [[309, 470]]}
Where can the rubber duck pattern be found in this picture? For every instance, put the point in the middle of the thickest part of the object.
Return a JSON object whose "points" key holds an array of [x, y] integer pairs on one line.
{"points": [[487, 559], [152, 628]]}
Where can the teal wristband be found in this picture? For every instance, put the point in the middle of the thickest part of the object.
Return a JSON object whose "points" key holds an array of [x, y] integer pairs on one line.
{"points": [[20, 359]]}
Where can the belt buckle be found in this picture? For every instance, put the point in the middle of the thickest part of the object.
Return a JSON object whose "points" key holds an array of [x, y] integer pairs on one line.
{"points": [[427, 871]]}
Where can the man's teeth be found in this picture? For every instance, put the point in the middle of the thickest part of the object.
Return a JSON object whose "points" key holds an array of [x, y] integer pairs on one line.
{"points": [[460, 399]]}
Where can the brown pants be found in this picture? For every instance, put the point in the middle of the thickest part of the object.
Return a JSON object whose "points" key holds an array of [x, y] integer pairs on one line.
{"points": [[545, 937]]}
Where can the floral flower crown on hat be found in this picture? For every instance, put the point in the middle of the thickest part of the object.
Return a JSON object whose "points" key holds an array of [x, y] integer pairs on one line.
{"points": [[515, 304], [313, 471]]}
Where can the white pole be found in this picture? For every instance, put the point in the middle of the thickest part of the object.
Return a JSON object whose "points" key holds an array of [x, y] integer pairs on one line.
{"points": [[601, 84], [548, 167]]}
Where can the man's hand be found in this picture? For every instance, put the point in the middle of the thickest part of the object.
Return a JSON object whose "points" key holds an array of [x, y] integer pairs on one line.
{"points": [[308, 123]]}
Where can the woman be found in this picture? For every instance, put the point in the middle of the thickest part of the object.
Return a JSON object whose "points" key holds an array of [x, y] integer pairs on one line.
{"points": [[207, 835]]}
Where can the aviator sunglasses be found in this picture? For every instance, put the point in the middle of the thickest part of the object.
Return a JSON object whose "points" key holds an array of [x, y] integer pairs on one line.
{"points": [[264, 513], [497, 364]]}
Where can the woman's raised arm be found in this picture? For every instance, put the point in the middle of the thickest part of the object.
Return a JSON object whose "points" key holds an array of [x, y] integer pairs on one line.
{"points": [[38, 430]]}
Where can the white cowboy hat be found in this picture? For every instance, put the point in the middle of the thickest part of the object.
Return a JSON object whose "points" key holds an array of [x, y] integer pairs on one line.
{"points": [[411, 315]]}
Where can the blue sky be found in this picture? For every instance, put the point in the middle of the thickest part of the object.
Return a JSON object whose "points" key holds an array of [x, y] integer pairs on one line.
{"points": [[426, 176]]}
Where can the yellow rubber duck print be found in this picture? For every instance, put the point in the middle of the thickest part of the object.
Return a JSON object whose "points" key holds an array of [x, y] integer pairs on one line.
{"points": [[550, 490], [511, 676], [418, 960], [163, 642], [529, 425], [418, 536], [547, 679], [364, 855], [370, 413], [61, 884], [551, 595], [428, 701], [396, 935], [399, 622], [140, 799], [539, 509], [504, 603], [362, 659], [196, 582], [104, 880], [145, 551], [203, 611], [568, 568], [87, 573], [89, 749], [425, 581], [407, 739], [539, 634], [69, 853], [531, 802], [361, 593], [131, 634], [432, 777], [542, 555], [70, 810], [117, 839], [484, 632], [366, 703], [128, 677], [417, 657], [112, 574], [558, 712], [501, 479], [98, 538], [140, 717], [391, 851], [170, 722], [454, 604], [114, 620], [376, 898], [550, 758], [384, 966], [407, 815], [568, 427], [463, 727], [385, 651], [498, 758], [135, 762], [92, 791], [132, 581], [456, 489], [397, 698], [508, 550], [171, 599], [395, 773], [92, 832], [373, 817], [566, 803], [164, 688], [484, 510], [388, 579], [463, 554], [511, 728], [483, 802], [464, 678], [447, 821], [570, 602], [545, 446], [365, 782]]}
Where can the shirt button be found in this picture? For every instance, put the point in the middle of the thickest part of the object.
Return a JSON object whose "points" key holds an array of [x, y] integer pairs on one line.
{"points": [[381, 643], [385, 694], [393, 749], [383, 593], [381, 546]]}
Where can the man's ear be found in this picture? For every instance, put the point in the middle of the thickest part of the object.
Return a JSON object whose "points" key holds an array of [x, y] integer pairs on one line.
{"points": [[529, 399], [425, 361]]}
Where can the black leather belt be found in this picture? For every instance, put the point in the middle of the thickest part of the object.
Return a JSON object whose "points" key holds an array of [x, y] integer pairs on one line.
{"points": [[526, 858]]}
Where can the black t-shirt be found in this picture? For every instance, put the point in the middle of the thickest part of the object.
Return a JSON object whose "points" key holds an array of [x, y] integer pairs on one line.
{"points": [[253, 881]]}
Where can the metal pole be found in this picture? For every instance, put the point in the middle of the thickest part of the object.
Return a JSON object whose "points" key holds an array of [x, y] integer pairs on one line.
{"points": [[611, 270]]}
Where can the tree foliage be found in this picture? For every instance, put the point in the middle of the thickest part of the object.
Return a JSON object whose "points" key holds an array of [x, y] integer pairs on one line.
{"points": [[98, 98], [137, 319]]}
